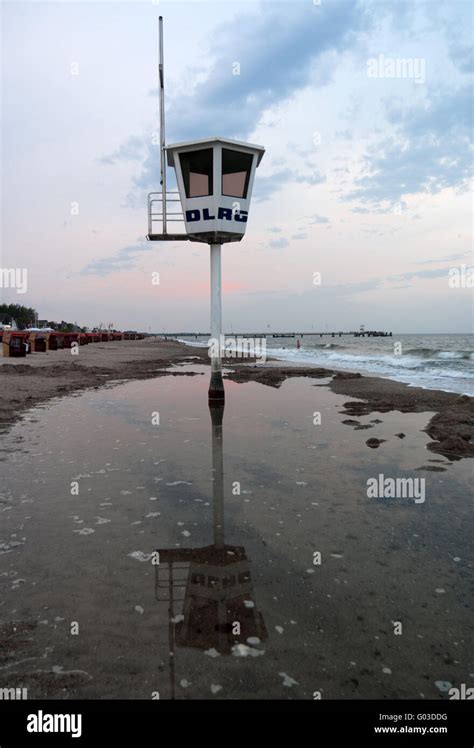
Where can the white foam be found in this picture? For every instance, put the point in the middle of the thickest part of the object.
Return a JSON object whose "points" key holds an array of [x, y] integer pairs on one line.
{"points": [[414, 370]]}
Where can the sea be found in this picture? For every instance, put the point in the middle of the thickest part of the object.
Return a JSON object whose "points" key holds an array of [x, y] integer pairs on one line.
{"points": [[436, 361]]}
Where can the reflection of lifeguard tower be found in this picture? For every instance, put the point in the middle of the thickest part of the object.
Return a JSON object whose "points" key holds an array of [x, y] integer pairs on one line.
{"points": [[209, 590], [217, 594]]}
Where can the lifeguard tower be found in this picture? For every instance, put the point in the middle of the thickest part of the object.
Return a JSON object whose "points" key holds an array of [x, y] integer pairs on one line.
{"points": [[215, 179]]}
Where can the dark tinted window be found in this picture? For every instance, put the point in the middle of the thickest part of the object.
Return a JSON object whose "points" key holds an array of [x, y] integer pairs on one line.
{"points": [[197, 172], [235, 172]]}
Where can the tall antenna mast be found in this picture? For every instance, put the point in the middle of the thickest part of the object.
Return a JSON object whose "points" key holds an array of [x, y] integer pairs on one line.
{"points": [[162, 121]]}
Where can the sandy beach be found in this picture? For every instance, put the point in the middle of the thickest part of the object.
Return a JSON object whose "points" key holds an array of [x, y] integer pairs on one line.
{"points": [[85, 614]]}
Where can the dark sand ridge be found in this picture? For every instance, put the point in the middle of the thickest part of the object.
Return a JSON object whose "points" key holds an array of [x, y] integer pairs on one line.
{"points": [[25, 383]]}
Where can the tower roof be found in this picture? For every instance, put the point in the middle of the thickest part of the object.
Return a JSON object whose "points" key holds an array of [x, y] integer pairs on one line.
{"points": [[210, 141]]}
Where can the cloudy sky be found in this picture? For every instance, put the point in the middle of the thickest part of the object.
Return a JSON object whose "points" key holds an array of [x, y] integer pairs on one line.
{"points": [[364, 179]]}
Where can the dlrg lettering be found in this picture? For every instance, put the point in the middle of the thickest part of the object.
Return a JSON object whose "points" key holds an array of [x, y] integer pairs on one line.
{"points": [[227, 214]]}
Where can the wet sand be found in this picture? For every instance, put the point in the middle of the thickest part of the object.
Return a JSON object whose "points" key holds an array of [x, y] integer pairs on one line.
{"points": [[39, 377], [27, 382], [289, 489]]}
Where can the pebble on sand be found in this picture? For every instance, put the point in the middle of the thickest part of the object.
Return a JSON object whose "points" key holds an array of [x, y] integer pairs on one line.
{"points": [[288, 681], [212, 652], [443, 685]]}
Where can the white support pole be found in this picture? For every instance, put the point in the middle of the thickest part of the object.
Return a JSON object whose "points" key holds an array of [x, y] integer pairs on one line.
{"points": [[216, 388]]}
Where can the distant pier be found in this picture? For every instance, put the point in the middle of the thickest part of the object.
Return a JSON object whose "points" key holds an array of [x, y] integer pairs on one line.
{"points": [[336, 334]]}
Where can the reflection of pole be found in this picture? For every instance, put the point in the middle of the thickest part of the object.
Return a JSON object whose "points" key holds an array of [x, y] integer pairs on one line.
{"points": [[217, 414], [171, 629], [216, 387]]}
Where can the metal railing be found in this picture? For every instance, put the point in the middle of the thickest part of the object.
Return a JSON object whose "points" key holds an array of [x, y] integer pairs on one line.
{"points": [[159, 215], [170, 578]]}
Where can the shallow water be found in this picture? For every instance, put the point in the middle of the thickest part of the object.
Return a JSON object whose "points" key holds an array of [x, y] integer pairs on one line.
{"points": [[92, 611]]}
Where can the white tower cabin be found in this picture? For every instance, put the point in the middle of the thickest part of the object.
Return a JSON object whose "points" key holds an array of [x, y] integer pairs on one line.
{"points": [[215, 180]]}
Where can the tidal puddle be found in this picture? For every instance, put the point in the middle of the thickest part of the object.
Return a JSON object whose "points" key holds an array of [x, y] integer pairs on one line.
{"points": [[278, 577]]}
